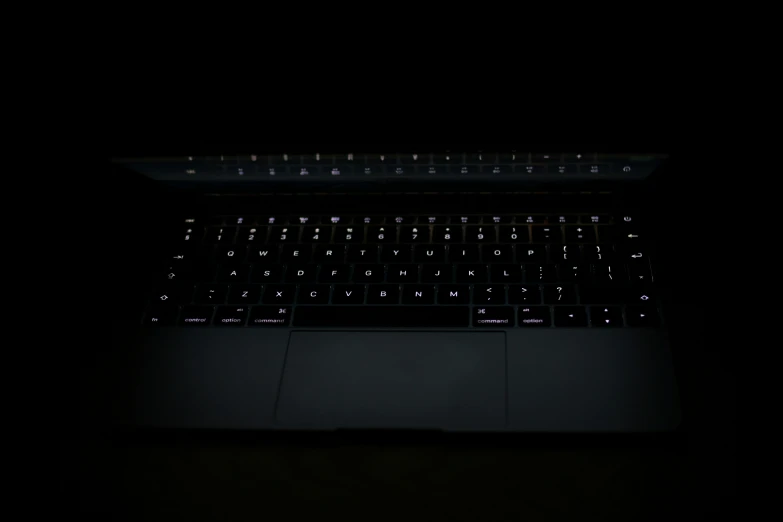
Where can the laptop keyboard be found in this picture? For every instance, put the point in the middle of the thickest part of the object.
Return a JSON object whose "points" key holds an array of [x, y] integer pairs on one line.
{"points": [[471, 271]]}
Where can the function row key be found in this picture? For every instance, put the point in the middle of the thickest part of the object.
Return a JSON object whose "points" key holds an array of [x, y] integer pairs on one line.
{"points": [[341, 219], [403, 169]]}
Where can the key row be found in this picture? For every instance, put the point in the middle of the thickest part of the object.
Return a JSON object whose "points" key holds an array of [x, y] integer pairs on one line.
{"points": [[336, 254], [413, 316], [344, 219], [360, 159], [391, 294], [609, 274], [408, 169], [380, 234]]}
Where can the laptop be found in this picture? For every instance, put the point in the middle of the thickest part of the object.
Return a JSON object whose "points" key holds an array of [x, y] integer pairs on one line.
{"points": [[498, 289]]}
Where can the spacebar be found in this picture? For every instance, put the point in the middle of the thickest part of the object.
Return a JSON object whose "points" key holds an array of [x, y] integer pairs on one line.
{"points": [[381, 316]]}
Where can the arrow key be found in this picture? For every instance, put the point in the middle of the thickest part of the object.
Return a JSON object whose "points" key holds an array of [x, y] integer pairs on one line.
{"points": [[570, 316], [641, 315], [606, 316]]}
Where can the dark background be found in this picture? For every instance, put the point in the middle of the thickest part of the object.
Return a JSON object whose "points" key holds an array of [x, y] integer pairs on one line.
{"points": [[394, 475]]}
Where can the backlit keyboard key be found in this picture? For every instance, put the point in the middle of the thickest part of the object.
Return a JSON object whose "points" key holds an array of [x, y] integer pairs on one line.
{"points": [[465, 220], [540, 274], [498, 316], [464, 254], [514, 234], [221, 235], [251, 235], [418, 294], [211, 294], [436, 273], [320, 234], [505, 273], [453, 294], [333, 254], [283, 234], [313, 294], [403, 273], [362, 253], [417, 234], [547, 234], [382, 316], [230, 316], [580, 234], [559, 294], [238, 273], [433, 220], [480, 234], [172, 293], [278, 294], [606, 316], [352, 234], [396, 254], [161, 315], [524, 294], [296, 254], [348, 294], [489, 294], [196, 315], [232, 254], [449, 234], [531, 253], [534, 316], [300, 273], [641, 315], [383, 294], [244, 294], [270, 316], [471, 273], [334, 274], [400, 220], [497, 253], [570, 316], [429, 254], [368, 273], [382, 234], [565, 253], [267, 254]]}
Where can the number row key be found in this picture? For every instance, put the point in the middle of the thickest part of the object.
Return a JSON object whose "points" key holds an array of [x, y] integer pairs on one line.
{"points": [[395, 234]]}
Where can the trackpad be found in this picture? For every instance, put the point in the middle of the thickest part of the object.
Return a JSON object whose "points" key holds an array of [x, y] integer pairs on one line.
{"points": [[440, 380]]}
